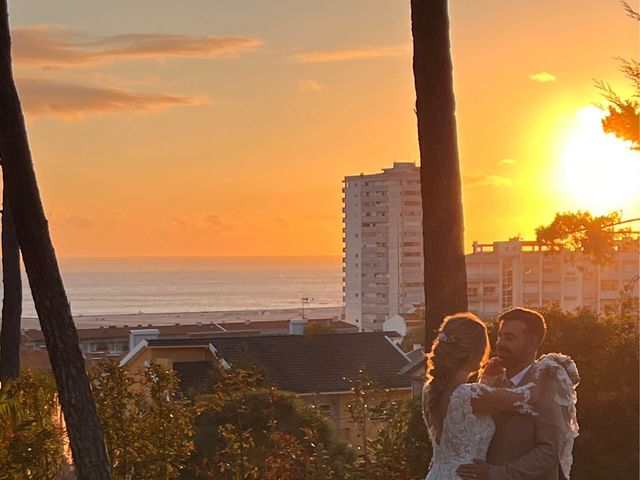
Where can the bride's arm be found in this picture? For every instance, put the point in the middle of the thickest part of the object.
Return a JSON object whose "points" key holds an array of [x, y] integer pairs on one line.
{"points": [[489, 401]]}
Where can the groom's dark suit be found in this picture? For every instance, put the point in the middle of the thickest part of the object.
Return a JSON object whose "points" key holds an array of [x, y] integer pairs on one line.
{"points": [[523, 448]]}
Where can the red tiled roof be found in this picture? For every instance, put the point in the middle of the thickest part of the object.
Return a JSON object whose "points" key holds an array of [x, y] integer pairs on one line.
{"points": [[111, 332], [34, 359], [412, 317]]}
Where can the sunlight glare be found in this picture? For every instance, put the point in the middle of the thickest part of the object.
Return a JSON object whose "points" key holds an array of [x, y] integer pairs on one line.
{"points": [[599, 170]]}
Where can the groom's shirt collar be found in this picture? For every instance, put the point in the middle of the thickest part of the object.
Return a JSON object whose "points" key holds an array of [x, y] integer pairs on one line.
{"points": [[517, 378]]}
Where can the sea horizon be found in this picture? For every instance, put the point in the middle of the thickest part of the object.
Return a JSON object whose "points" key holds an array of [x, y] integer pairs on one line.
{"points": [[133, 285], [196, 262]]}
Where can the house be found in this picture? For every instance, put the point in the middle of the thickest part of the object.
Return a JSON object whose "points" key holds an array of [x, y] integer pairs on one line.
{"points": [[114, 341], [314, 367], [415, 370], [403, 323]]}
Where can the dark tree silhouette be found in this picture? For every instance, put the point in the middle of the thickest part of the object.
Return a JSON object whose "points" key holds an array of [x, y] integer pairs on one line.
{"points": [[594, 236], [50, 299], [12, 299], [623, 116], [445, 281]]}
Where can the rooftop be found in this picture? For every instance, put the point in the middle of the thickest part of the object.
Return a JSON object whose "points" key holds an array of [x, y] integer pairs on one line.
{"points": [[307, 364], [178, 329]]}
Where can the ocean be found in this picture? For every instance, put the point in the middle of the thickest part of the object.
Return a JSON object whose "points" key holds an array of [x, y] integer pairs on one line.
{"points": [[104, 286]]}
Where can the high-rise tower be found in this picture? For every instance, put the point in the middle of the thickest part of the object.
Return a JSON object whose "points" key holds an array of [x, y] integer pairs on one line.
{"points": [[383, 257]]}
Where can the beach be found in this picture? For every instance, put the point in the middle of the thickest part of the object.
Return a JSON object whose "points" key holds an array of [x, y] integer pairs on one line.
{"points": [[145, 319]]}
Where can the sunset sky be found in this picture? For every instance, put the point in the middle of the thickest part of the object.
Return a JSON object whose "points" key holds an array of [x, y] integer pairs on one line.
{"points": [[225, 127]]}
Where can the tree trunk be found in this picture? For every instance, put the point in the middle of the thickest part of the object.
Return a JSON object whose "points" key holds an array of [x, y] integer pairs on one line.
{"points": [[12, 299], [445, 276], [50, 299]]}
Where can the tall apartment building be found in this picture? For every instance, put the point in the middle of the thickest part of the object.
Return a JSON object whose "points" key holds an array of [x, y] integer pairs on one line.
{"points": [[383, 260], [501, 275], [383, 257]]}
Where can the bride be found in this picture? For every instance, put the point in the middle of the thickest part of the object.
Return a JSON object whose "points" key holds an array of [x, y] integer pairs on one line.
{"points": [[458, 414]]}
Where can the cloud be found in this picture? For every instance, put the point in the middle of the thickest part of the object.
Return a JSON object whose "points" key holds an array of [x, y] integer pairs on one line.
{"points": [[543, 77], [507, 161], [483, 179], [202, 222], [55, 46], [340, 55], [71, 220], [49, 97], [216, 222], [282, 223], [309, 86]]}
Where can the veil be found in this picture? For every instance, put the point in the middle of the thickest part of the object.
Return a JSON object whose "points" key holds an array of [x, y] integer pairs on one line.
{"points": [[554, 398]]}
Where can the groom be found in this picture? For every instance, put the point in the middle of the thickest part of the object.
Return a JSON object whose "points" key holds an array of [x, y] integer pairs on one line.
{"points": [[522, 448]]}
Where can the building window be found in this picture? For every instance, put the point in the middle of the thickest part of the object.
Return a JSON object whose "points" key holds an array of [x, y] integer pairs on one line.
{"points": [[325, 410], [487, 290], [507, 284]]}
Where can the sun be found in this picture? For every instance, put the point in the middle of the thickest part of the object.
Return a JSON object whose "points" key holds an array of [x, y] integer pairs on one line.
{"points": [[599, 171]]}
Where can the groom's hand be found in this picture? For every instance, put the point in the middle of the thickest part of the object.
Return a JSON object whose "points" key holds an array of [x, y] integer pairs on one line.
{"points": [[478, 470], [493, 373]]}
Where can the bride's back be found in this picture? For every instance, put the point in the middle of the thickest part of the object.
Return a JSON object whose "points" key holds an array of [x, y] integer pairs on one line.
{"points": [[463, 437]]}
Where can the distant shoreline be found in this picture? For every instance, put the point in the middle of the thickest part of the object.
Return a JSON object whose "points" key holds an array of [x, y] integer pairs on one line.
{"points": [[221, 316]]}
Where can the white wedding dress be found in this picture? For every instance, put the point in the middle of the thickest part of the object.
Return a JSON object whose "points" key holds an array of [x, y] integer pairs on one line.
{"points": [[466, 436]]}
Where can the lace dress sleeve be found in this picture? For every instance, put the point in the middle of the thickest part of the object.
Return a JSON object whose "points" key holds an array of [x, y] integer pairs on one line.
{"points": [[491, 400], [556, 378]]}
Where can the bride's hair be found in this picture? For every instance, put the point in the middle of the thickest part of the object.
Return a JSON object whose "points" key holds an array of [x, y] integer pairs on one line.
{"points": [[461, 341]]}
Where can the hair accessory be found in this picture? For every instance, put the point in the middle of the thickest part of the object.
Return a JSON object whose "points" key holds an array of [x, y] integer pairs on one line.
{"points": [[443, 337]]}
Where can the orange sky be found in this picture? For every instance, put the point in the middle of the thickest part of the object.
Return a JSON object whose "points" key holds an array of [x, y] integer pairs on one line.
{"points": [[225, 128]]}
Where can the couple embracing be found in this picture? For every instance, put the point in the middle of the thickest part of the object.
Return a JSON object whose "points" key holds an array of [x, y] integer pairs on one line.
{"points": [[518, 422]]}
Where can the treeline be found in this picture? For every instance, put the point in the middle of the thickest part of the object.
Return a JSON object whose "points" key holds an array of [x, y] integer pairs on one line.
{"points": [[242, 429], [245, 429]]}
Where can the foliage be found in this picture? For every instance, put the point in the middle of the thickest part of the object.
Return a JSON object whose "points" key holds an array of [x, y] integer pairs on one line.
{"points": [[594, 236], [415, 336], [418, 451], [318, 328], [248, 430], [387, 450], [606, 352], [117, 410], [148, 429], [33, 448], [10, 411], [623, 117], [394, 439]]}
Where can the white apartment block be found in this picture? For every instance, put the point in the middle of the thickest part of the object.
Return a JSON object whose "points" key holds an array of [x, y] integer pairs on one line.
{"points": [[383, 260], [501, 275], [383, 257]]}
